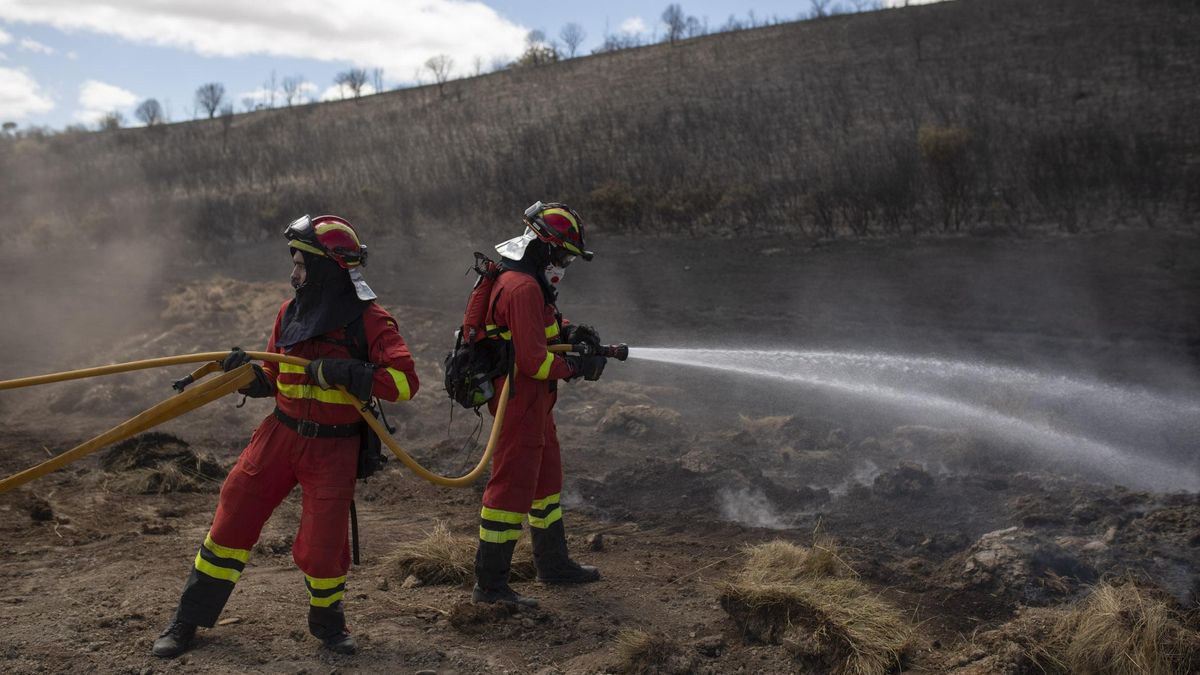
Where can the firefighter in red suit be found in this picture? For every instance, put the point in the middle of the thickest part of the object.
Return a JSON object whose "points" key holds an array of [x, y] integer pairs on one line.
{"points": [[526, 478], [312, 438]]}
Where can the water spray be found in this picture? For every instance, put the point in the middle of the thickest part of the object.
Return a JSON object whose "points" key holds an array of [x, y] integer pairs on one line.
{"points": [[965, 393]]}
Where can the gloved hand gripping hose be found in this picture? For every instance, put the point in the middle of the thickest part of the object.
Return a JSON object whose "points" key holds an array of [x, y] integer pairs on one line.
{"points": [[211, 390]]}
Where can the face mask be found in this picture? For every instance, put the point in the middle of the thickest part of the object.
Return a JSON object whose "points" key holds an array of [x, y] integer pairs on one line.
{"points": [[554, 274]]}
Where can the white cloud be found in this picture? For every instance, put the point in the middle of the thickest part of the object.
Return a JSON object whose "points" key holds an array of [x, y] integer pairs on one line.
{"points": [[72, 55], [634, 25], [21, 96], [398, 35], [31, 45], [97, 99], [5, 38]]}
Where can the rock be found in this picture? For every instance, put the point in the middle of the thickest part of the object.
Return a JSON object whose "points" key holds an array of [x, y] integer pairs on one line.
{"points": [[711, 646], [157, 528], [595, 542], [39, 509], [229, 620], [640, 421], [411, 581], [1018, 563], [906, 480]]}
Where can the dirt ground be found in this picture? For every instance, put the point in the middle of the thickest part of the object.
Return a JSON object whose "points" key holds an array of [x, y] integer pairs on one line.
{"points": [[670, 471]]}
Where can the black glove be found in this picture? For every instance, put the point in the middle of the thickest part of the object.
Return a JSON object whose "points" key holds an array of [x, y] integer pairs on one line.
{"points": [[356, 376], [590, 367], [577, 333], [236, 359], [260, 387]]}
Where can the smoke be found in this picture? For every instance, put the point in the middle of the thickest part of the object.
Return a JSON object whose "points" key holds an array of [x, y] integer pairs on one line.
{"points": [[749, 507]]}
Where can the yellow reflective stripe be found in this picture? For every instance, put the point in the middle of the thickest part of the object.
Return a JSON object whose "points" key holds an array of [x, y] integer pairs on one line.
{"points": [[239, 554], [572, 247], [401, 381], [546, 501], [324, 584], [544, 372], [334, 225], [493, 537], [306, 247], [325, 602], [561, 212], [501, 516], [212, 570], [504, 335], [313, 392], [291, 368], [550, 519], [552, 330]]}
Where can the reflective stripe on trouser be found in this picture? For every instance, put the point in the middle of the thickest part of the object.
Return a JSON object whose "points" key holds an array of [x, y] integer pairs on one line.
{"points": [[545, 512], [498, 527], [498, 534], [216, 569], [324, 592]]}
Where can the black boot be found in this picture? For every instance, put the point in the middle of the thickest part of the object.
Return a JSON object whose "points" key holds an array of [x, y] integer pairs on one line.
{"points": [[554, 565], [328, 624], [175, 640], [492, 562]]}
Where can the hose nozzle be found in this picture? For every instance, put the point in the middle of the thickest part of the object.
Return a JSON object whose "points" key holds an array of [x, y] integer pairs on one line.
{"points": [[619, 352]]}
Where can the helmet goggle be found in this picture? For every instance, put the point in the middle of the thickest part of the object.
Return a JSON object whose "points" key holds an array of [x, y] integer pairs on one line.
{"points": [[561, 257]]}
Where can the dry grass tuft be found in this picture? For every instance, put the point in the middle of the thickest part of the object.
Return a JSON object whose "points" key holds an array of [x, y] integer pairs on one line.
{"points": [[782, 562], [643, 653], [442, 558], [1125, 630], [808, 601]]}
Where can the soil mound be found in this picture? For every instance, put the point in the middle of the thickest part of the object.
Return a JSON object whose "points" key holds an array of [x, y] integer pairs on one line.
{"points": [[158, 462]]}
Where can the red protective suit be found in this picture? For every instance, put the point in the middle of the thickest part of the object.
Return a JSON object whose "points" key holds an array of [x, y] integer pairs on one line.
{"points": [[278, 457], [526, 467]]}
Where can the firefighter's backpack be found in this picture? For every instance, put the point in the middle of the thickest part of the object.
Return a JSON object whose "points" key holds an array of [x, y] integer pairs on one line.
{"points": [[477, 358]]}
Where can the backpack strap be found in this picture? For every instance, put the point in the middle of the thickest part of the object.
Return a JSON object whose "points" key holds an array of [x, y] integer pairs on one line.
{"points": [[355, 341]]}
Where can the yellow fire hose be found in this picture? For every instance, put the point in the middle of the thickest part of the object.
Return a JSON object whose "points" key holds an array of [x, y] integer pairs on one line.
{"points": [[209, 391]]}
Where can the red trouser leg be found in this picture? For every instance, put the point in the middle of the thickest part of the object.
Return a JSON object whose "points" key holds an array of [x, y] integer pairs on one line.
{"points": [[550, 473], [326, 469], [261, 479], [518, 457]]}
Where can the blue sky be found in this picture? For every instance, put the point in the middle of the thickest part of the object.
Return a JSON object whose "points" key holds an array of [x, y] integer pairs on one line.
{"points": [[71, 61]]}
